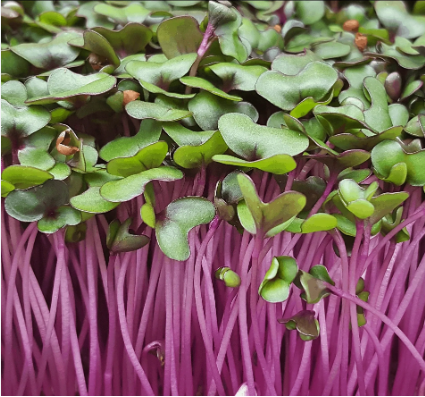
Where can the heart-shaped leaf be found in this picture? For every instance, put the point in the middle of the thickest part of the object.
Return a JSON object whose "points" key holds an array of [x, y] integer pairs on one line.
{"points": [[134, 185], [58, 219], [313, 286], [286, 92], [64, 84], [195, 156], [277, 280], [265, 217], [13, 65], [394, 164], [131, 39], [32, 204], [97, 44], [253, 142], [49, 55], [134, 12], [174, 223], [394, 16], [157, 77], [146, 110], [310, 12], [305, 323], [292, 64], [24, 177], [14, 92], [92, 202], [179, 35], [149, 132], [359, 141], [355, 77], [120, 240], [208, 108], [146, 158], [377, 116], [21, 122], [226, 22], [237, 77], [340, 119]]}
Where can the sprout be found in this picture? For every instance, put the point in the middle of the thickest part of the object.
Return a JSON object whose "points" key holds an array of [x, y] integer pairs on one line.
{"points": [[195, 180]]}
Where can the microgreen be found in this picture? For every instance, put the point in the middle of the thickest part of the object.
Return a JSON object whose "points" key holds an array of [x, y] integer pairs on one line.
{"points": [[179, 178]]}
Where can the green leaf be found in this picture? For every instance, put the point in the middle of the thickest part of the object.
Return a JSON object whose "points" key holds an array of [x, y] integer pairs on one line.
{"points": [[321, 273], [377, 116], [339, 119], [253, 142], [120, 240], [197, 82], [350, 141], [286, 92], [74, 234], [97, 44], [416, 126], [146, 110], [64, 84], [32, 204], [179, 35], [131, 39], [134, 185], [14, 92], [226, 22], [58, 219], [60, 171], [24, 177], [6, 188], [13, 64], [410, 89], [92, 202], [386, 203], [394, 164], [394, 16], [332, 49], [230, 278], [174, 223], [313, 287], [318, 223], [277, 280], [305, 323], [310, 12], [49, 55], [208, 108], [93, 19], [238, 77], [267, 216], [291, 65], [21, 122], [355, 77], [201, 155], [147, 213], [413, 62], [36, 157], [134, 12], [149, 132], [146, 158]]}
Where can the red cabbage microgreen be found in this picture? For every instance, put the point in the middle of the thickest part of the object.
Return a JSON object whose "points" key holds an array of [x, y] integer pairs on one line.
{"points": [[184, 183]]}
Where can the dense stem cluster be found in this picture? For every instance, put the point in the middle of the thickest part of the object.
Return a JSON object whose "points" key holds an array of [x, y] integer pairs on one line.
{"points": [[140, 323]]}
